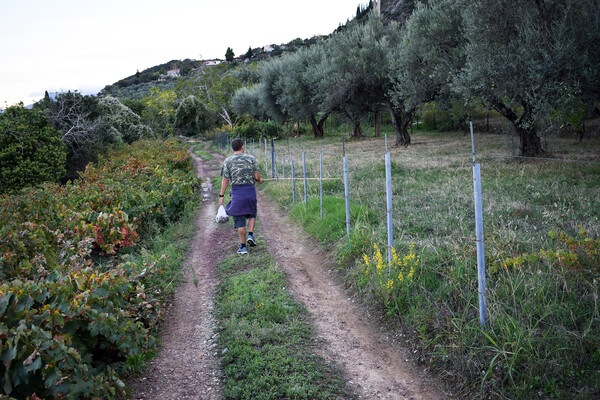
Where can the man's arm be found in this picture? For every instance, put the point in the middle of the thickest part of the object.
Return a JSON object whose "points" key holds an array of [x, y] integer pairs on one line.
{"points": [[224, 184], [257, 178]]}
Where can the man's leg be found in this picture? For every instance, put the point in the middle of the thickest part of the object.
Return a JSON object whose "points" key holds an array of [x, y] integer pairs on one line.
{"points": [[251, 241], [251, 222], [242, 234], [239, 222]]}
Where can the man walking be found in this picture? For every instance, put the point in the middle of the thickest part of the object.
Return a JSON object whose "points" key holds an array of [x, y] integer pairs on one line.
{"points": [[241, 170]]}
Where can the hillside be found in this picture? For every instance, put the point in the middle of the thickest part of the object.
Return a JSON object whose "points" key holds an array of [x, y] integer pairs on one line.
{"points": [[138, 85], [151, 74]]}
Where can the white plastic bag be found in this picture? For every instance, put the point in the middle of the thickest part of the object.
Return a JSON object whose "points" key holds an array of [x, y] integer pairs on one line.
{"points": [[222, 216]]}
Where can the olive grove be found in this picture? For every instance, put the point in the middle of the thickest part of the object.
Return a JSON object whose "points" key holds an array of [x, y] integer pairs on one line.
{"points": [[530, 60]]}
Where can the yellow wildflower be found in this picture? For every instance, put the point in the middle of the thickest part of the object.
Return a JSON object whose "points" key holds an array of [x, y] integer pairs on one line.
{"points": [[390, 284]]}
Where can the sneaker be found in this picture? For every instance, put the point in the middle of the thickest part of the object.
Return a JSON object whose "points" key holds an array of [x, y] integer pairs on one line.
{"points": [[242, 250], [251, 241]]}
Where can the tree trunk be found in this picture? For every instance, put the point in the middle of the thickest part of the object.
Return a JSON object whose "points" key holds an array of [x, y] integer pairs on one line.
{"points": [[400, 120], [317, 126], [377, 123], [530, 143], [357, 133]]}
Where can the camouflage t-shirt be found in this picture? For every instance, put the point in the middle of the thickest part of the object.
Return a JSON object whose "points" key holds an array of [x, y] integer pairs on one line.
{"points": [[240, 169]]}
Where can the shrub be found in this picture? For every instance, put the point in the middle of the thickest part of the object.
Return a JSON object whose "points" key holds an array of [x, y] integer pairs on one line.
{"points": [[253, 129], [31, 152], [70, 316], [193, 117]]}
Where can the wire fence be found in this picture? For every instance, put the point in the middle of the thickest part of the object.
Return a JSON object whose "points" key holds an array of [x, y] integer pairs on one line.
{"points": [[373, 175]]}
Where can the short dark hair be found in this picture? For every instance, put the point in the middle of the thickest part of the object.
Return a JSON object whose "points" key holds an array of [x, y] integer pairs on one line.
{"points": [[236, 144]]}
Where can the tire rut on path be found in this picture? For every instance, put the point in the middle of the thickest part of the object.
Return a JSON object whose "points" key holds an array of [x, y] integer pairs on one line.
{"points": [[186, 366], [376, 368]]}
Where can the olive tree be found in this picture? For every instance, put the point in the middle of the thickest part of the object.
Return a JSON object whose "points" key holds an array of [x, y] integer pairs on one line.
{"points": [[353, 78], [120, 123], [270, 89], [431, 53], [246, 100], [193, 116], [525, 57], [296, 88]]}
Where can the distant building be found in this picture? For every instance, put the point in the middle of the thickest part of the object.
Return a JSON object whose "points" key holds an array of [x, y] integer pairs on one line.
{"points": [[268, 48], [211, 63], [174, 73]]}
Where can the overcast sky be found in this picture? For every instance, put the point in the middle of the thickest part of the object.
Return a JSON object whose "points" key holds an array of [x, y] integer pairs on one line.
{"points": [[84, 45]]}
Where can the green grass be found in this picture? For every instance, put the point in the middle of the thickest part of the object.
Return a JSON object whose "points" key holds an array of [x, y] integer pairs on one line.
{"points": [[265, 338], [332, 227], [205, 155], [543, 333]]}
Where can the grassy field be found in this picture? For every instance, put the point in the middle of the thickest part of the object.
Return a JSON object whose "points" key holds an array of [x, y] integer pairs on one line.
{"points": [[541, 224]]}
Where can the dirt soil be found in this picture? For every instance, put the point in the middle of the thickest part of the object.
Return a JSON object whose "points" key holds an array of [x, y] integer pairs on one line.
{"points": [[187, 366]]}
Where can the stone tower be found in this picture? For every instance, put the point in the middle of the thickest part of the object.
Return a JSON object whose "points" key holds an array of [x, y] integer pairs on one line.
{"points": [[377, 6]]}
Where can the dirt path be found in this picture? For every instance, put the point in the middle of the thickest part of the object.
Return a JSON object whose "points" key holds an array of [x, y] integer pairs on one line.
{"points": [[187, 366]]}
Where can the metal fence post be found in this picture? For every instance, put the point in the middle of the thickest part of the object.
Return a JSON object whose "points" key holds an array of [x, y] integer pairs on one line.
{"points": [[272, 158], [321, 177], [304, 172], [347, 196], [293, 184], [346, 190], [266, 159], [388, 191], [479, 233]]}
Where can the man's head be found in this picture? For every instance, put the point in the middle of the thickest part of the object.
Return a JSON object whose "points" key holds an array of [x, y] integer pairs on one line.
{"points": [[237, 144]]}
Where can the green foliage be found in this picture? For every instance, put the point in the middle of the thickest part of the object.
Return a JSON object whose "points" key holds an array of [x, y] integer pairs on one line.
{"points": [[193, 117], [160, 110], [70, 316], [139, 91], [250, 128], [121, 123], [31, 151], [264, 338]]}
